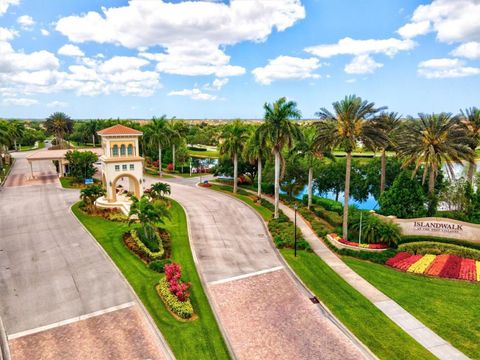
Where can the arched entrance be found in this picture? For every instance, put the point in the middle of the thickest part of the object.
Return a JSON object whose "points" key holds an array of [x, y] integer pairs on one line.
{"points": [[133, 184]]}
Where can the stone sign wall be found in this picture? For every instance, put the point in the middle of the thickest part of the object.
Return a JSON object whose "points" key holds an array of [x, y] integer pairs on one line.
{"points": [[441, 227]]}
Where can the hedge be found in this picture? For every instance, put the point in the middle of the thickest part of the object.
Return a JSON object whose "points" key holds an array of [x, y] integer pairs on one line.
{"points": [[159, 265], [329, 216], [144, 249], [183, 309], [436, 248], [194, 148], [328, 204], [412, 238]]}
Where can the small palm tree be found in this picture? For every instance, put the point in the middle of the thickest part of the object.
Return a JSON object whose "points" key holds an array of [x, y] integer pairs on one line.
{"points": [[16, 130], [433, 140], [234, 137], [257, 152], [279, 132], [159, 190], [471, 119], [350, 124], [148, 213], [176, 138], [389, 123], [308, 150], [59, 124], [157, 134], [90, 194]]}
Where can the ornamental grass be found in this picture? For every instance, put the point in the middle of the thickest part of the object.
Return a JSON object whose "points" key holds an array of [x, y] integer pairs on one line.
{"points": [[468, 270], [421, 265]]}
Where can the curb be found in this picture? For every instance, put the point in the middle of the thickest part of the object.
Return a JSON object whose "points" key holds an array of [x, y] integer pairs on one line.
{"points": [[8, 173], [161, 340], [304, 289], [4, 349]]}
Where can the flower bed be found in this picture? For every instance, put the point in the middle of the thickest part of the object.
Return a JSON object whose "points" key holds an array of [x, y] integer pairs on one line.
{"points": [[446, 265], [377, 246], [174, 292]]}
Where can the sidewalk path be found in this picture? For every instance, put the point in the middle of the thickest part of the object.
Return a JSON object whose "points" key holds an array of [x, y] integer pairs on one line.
{"points": [[426, 337], [262, 310]]}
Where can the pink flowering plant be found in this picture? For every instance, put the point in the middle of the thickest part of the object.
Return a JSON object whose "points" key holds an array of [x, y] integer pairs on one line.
{"points": [[173, 274]]}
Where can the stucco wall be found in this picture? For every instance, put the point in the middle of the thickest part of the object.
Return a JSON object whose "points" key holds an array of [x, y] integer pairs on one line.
{"points": [[441, 227]]}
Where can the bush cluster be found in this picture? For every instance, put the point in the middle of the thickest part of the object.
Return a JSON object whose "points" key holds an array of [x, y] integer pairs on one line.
{"points": [[144, 250], [319, 228], [153, 244], [183, 309], [327, 204], [436, 248], [332, 217], [411, 238], [159, 265], [173, 274], [282, 231]]}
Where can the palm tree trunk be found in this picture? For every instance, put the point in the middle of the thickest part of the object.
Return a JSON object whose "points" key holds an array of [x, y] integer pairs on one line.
{"points": [[310, 186], [431, 182], [277, 182], [93, 140], [383, 170], [259, 176], [346, 195], [159, 160], [471, 171], [235, 172], [173, 156]]}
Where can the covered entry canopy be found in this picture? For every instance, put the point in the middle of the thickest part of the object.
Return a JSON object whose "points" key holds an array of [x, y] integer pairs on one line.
{"points": [[58, 155]]}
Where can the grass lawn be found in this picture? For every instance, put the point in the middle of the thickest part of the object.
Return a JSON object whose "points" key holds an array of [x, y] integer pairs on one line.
{"points": [[69, 183], [381, 335], [203, 154], [154, 173], [450, 308], [41, 145], [4, 171], [198, 339], [187, 175]]}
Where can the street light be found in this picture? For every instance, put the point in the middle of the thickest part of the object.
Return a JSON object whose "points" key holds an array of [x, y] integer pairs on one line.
{"points": [[295, 207]]}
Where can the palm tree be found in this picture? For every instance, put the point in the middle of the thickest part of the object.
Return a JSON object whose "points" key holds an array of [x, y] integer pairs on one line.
{"points": [[90, 194], [278, 132], [59, 124], [91, 128], [159, 190], [16, 130], [148, 213], [255, 151], [5, 139], [157, 133], [175, 138], [234, 137], [433, 140], [350, 124], [471, 119], [388, 122], [308, 150]]}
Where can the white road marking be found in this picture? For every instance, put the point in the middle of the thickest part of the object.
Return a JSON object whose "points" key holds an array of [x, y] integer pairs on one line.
{"points": [[70, 321], [244, 276]]}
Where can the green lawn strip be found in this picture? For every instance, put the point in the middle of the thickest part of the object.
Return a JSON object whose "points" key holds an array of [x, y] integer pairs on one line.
{"points": [[355, 311], [154, 173], [203, 154], [198, 339], [448, 307], [380, 334], [187, 175], [70, 183]]}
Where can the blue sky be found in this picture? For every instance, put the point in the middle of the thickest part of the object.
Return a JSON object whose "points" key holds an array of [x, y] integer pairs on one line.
{"points": [[225, 59]]}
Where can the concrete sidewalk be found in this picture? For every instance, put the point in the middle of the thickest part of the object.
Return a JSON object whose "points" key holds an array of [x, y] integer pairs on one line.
{"points": [[426, 337]]}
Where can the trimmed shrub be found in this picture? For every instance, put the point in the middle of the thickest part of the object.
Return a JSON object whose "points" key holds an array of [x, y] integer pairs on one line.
{"points": [[144, 250], [331, 217], [427, 247], [327, 204], [183, 309], [415, 238], [268, 188], [159, 265]]}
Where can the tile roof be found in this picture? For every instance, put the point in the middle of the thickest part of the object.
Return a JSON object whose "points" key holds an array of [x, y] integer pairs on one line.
{"points": [[119, 130]]}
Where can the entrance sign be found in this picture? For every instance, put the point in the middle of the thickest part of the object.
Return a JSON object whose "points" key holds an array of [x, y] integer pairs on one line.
{"points": [[88, 181]]}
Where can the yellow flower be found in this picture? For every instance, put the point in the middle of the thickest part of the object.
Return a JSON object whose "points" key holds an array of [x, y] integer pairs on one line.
{"points": [[422, 264]]}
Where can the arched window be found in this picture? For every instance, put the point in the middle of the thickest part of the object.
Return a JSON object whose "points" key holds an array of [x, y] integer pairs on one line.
{"points": [[115, 150], [122, 150], [130, 150]]}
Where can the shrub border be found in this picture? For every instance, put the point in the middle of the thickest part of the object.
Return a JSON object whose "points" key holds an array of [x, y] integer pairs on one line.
{"points": [[168, 299]]}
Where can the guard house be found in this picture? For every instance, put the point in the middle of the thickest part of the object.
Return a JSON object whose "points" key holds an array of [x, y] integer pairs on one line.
{"points": [[121, 161]]}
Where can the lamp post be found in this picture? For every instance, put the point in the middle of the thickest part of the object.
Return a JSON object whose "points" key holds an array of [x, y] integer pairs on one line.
{"points": [[360, 232], [190, 167], [295, 207]]}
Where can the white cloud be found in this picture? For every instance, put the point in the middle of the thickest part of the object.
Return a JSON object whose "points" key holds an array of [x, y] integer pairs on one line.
{"points": [[26, 22], [195, 94], [7, 34], [362, 64], [451, 20], [193, 33], [57, 104], [217, 84], [70, 50], [19, 102], [45, 32], [351, 81], [469, 50], [4, 4], [286, 68], [445, 68], [349, 46]]}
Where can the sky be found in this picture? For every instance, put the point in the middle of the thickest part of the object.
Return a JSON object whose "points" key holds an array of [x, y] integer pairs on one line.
{"points": [[225, 59]]}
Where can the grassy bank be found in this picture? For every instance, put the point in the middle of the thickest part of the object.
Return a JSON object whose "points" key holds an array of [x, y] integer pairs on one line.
{"points": [[199, 339], [448, 307], [382, 336]]}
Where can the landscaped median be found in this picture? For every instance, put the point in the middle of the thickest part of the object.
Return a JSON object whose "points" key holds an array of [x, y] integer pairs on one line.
{"points": [[373, 328], [195, 339]]}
